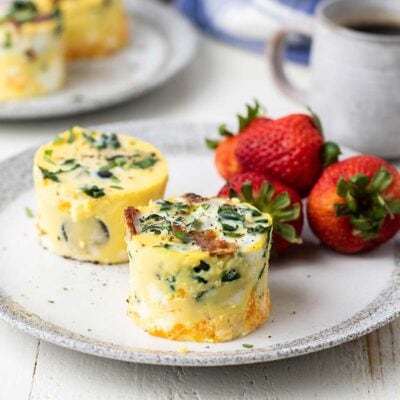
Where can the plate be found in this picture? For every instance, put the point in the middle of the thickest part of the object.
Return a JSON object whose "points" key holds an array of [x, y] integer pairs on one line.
{"points": [[319, 298], [162, 44]]}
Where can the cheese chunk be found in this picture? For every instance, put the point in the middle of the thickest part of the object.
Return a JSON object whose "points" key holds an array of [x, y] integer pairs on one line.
{"points": [[93, 28], [83, 182], [198, 268], [31, 52]]}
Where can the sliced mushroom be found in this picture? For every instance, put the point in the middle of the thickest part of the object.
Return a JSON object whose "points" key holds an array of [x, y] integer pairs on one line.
{"points": [[85, 234]]}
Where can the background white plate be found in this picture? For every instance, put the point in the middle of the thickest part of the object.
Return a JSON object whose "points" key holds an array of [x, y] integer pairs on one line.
{"points": [[162, 43], [319, 298]]}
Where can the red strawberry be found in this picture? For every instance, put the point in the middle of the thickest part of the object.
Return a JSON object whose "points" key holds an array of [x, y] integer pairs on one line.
{"points": [[269, 195], [290, 149], [355, 205], [225, 154]]}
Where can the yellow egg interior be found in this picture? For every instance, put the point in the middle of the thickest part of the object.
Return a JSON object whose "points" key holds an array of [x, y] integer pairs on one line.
{"points": [[31, 59], [181, 291], [93, 28], [83, 182]]}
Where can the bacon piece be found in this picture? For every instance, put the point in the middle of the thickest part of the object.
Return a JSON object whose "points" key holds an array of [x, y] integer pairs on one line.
{"points": [[193, 198], [208, 241], [130, 214]]}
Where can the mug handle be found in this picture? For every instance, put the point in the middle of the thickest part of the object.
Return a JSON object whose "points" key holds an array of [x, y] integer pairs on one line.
{"points": [[276, 48]]}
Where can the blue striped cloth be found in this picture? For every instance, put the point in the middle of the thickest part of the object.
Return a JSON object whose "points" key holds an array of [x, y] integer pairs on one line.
{"points": [[219, 17]]}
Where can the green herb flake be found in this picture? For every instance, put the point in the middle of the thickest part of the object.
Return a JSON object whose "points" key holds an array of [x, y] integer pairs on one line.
{"points": [[203, 266], [71, 136], [7, 44], [116, 187], [200, 295], [29, 212], [105, 141], [146, 162], [184, 237], [47, 156], [49, 175], [247, 345], [230, 276], [93, 191]]}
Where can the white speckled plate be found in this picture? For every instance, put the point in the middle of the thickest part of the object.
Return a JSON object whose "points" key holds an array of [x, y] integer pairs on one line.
{"points": [[319, 298], [162, 44]]}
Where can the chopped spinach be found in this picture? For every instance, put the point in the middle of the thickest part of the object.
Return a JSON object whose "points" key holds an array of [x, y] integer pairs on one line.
{"points": [[231, 275], [71, 136], [93, 191], [199, 279], [184, 237], [104, 141], [203, 266], [49, 175], [171, 282], [200, 295]]}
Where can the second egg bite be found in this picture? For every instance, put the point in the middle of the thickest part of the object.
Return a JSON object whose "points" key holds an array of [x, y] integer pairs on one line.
{"points": [[83, 182]]}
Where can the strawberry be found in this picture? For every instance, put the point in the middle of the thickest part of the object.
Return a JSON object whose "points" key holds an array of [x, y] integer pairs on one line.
{"points": [[270, 196], [355, 205], [225, 150], [290, 149]]}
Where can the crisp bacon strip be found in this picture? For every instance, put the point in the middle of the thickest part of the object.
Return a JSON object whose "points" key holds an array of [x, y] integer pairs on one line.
{"points": [[193, 198], [209, 242], [130, 214]]}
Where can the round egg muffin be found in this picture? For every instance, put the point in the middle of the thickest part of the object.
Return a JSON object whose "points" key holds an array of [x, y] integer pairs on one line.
{"points": [[198, 268], [83, 182], [93, 28], [31, 51]]}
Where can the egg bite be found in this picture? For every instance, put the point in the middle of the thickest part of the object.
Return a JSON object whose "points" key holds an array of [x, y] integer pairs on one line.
{"points": [[31, 51], [198, 268], [83, 182], [93, 28]]}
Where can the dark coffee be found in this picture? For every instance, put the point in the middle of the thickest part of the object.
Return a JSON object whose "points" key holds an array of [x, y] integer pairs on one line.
{"points": [[377, 28]]}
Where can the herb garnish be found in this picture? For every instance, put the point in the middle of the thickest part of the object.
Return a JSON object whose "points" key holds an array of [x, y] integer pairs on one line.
{"points": [[21, 12], [203, 266], [231, 275], [184, 237], [29, 212], [93, 191], [104, 141], [247, 345], [200, 295], [200, 279], [71, 136], [47, 156], [49, 175], [7, 44]]}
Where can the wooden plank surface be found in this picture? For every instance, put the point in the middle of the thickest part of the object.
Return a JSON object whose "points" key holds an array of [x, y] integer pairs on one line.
{"points": [[18, 353], [340, 373]]}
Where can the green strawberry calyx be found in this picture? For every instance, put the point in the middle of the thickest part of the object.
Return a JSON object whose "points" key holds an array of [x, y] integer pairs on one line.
{"points": [[279, 207], [330, 153], [253, 112], [365, 204]]}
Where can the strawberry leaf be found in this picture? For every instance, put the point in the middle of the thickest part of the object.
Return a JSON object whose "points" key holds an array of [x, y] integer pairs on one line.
{"points": [[316, 119], [381, 180], [330, 153], [287, 232], [212, 144], [253, 111], [224, 132], [364, 202], [279, 207]]}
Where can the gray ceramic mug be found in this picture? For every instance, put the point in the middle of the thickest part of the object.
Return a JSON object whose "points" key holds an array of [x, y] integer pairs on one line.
{"points": [[355, 76]]}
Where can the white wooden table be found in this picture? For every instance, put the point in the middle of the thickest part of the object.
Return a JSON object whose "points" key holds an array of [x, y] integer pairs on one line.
{"points": [[213, 89]]}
